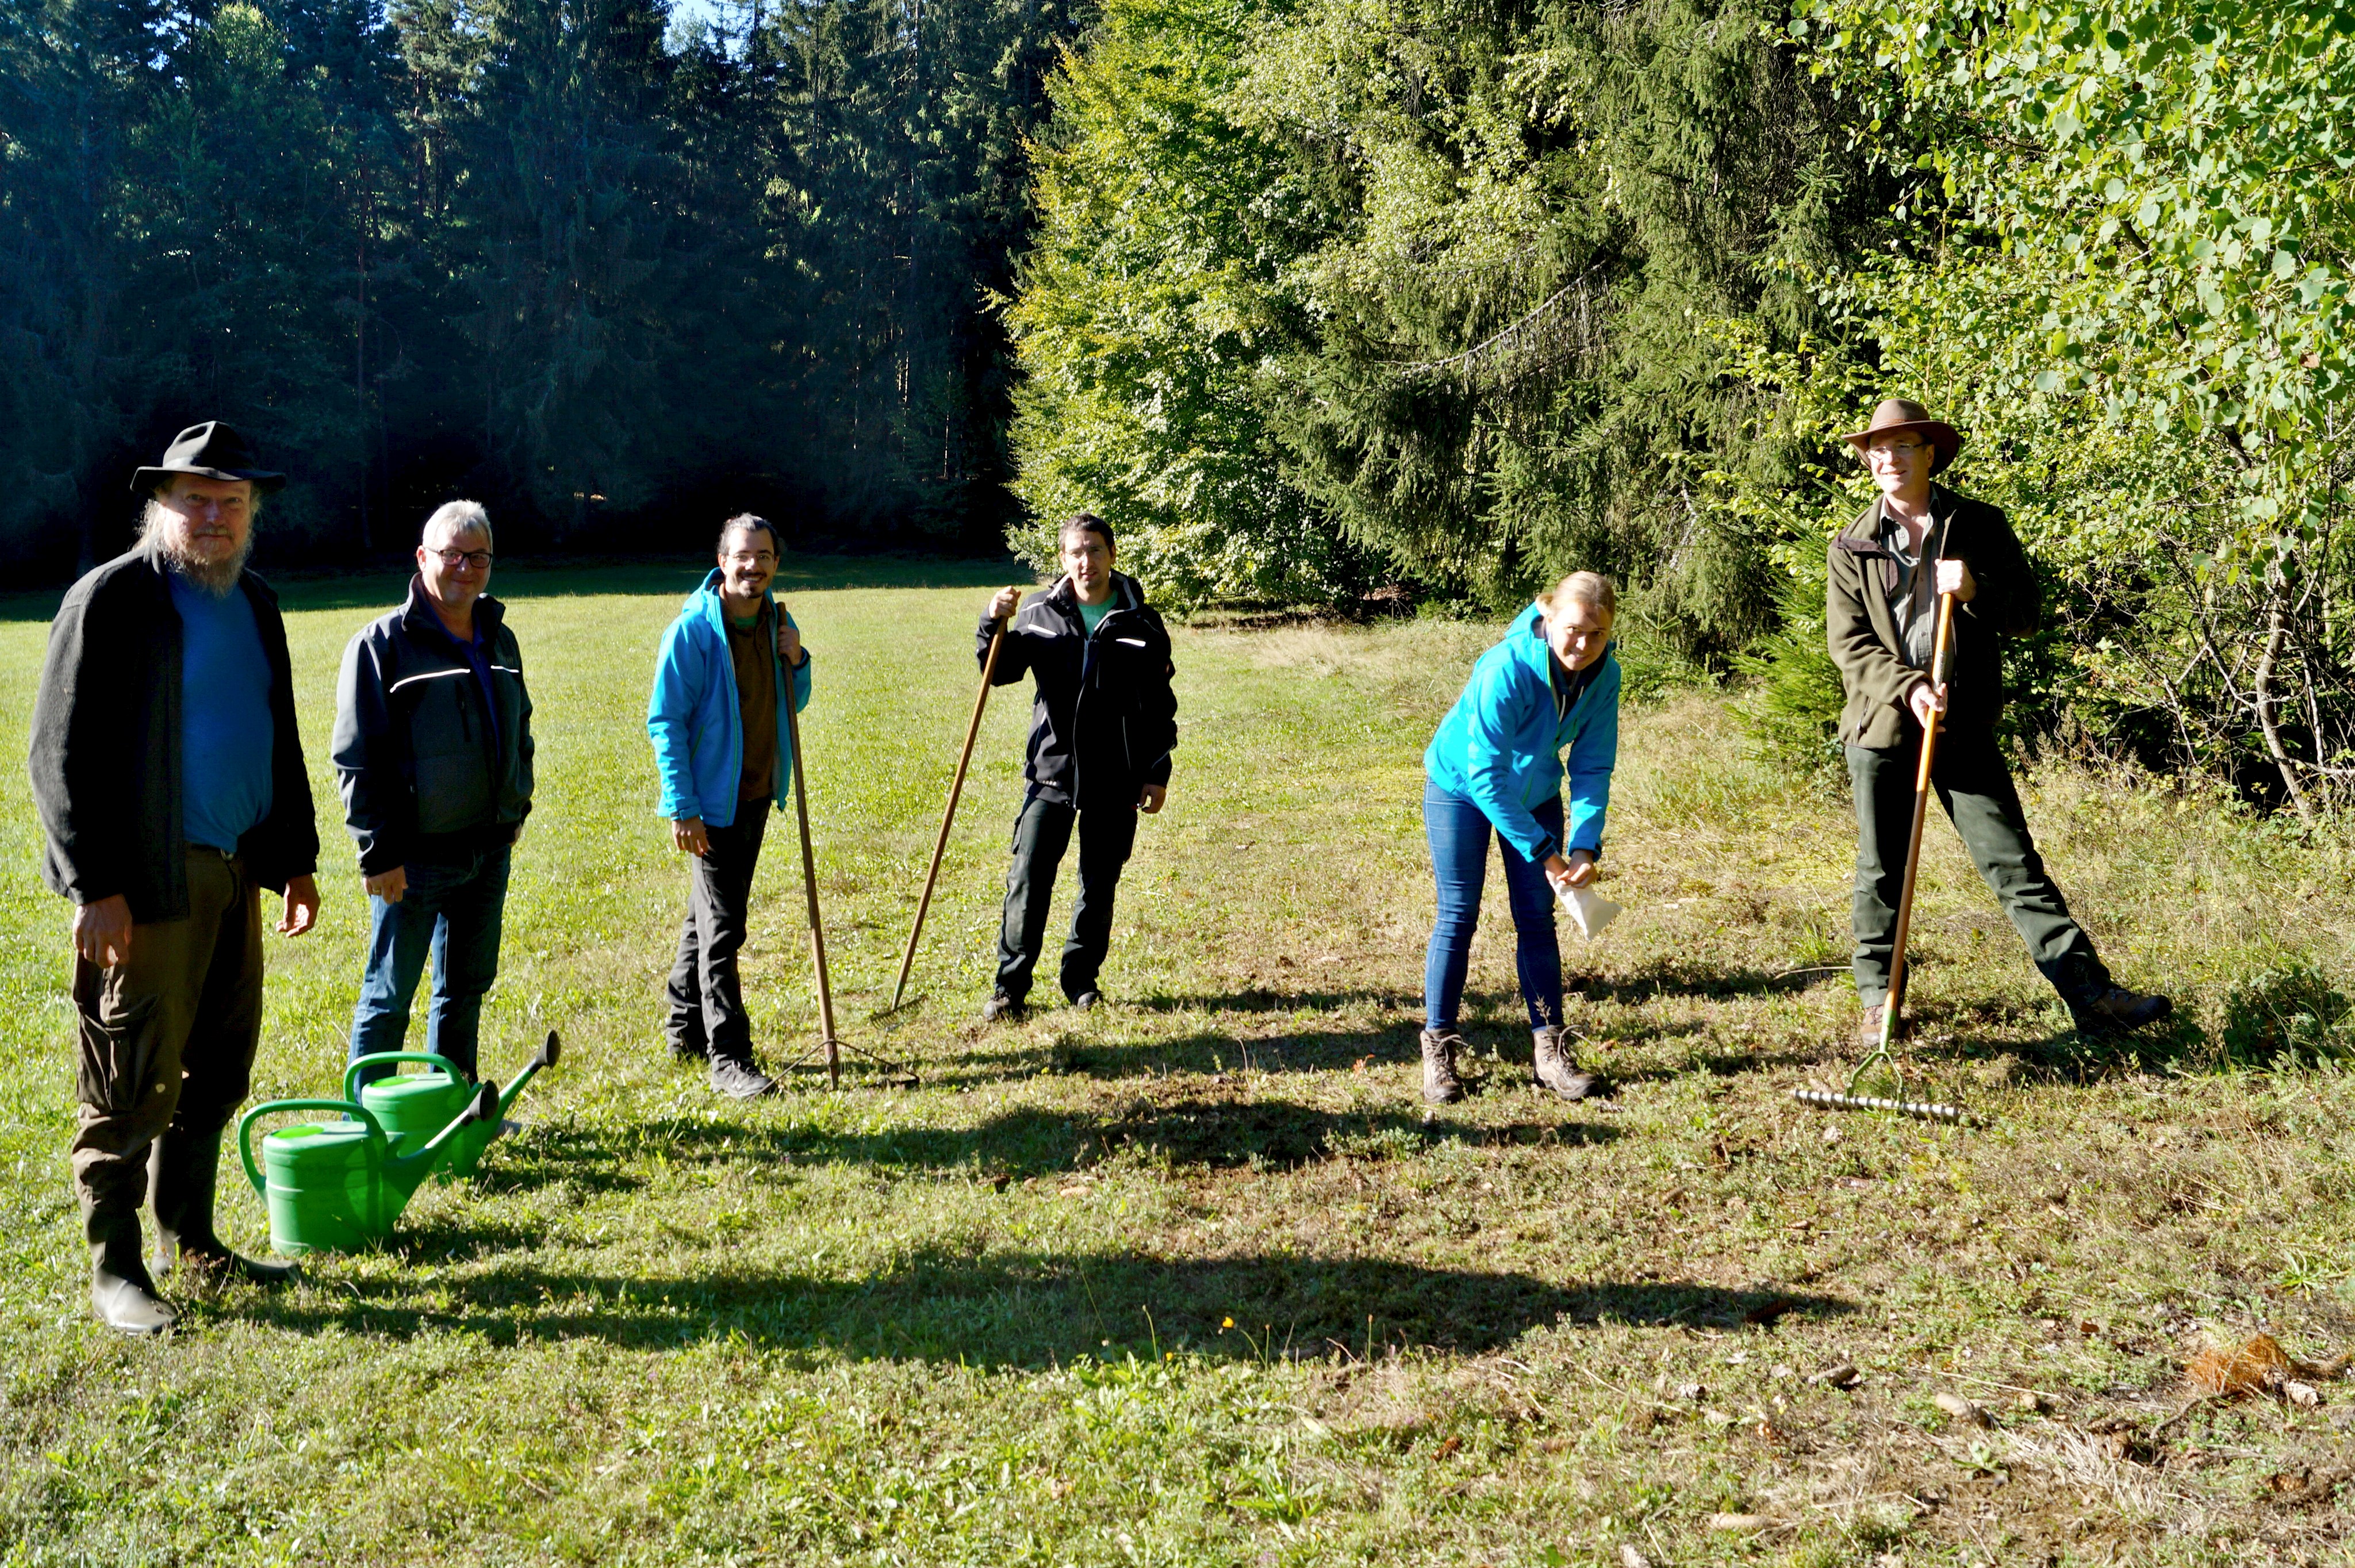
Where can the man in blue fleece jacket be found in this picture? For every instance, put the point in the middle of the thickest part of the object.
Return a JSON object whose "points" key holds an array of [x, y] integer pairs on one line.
{"points": [[723, 745]]}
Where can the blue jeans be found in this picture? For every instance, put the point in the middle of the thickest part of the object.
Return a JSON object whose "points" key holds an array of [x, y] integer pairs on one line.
{"points": [[454, 910], [1459, 833]]}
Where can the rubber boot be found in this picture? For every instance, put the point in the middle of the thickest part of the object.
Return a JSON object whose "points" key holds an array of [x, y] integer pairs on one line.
{"points": [[120, 1293], [1440, 1084], [183, 1173]]}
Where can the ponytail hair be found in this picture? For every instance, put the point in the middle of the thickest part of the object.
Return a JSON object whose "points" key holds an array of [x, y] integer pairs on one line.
{"points": [[1591, 588]]}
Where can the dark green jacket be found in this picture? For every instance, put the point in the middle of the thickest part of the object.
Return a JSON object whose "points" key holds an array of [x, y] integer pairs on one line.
{"points": [[1858, 580]]}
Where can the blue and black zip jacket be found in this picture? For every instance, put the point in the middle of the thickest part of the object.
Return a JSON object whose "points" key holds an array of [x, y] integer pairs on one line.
{"points": [[432, 754]]}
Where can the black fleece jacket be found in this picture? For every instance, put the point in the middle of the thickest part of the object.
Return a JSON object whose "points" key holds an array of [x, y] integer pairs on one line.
{"points": [[427, 773], [1105, 719], [106, 761]]}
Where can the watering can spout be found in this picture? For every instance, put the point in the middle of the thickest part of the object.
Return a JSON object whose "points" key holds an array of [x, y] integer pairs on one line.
{"points": [[409, 1169], [549, 1049]]}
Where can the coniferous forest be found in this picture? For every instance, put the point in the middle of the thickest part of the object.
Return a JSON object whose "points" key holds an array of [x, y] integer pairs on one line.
{"points": [[1314, 299], [600, 266]]}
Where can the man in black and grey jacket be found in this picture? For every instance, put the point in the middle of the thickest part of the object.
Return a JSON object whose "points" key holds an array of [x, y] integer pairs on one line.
{"points": [[168, 773], [1100, 733], [433, 754]]}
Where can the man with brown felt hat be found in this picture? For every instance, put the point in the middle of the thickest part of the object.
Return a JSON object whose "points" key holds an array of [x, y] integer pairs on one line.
{"points": [[1886, 572], [169, 778]]}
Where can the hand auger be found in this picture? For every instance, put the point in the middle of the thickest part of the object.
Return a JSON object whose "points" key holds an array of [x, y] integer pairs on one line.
{"points": [[956, 789], [1885, 1053]]}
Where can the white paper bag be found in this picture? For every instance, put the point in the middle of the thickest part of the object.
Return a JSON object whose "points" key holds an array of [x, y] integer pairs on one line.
{"points": [[1589, 910]]}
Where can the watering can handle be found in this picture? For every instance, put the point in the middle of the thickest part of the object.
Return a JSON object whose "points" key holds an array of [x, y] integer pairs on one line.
{"points": [[382, 1057], [351, 1108]]}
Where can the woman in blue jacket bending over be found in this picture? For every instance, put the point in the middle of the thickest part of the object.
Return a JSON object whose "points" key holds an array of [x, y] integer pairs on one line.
{"points": [[1497, 761]]}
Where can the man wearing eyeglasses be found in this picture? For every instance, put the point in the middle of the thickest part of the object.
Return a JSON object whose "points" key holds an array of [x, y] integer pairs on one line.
{"points": [[1887, 569], [433, 754]]}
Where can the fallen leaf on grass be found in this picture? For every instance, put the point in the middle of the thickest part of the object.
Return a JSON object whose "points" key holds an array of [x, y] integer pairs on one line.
{"points": [[2246, 1369], [1447, 1449], [1631, 1558], [2302, 1393], [1839, 1374], [1739, 1523]]}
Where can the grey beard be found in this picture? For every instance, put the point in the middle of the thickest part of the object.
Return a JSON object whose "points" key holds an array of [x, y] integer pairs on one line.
{"points": [[160, 536]]}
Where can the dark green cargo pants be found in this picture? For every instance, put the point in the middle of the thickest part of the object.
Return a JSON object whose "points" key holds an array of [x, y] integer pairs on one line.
{"points": [[1975, 788]]}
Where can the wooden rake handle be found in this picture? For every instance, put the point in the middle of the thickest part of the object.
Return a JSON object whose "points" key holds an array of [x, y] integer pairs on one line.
{"points": [[809, 884], [1896, 999], [956, 789]]}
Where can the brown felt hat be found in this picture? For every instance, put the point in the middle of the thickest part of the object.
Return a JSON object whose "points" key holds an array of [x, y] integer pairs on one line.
{"points": [[1903, 413], [209, 450]]}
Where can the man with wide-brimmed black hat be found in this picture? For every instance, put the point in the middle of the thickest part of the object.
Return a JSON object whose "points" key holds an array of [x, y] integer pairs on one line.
{"points": [[1887, 569], [168, 775]]}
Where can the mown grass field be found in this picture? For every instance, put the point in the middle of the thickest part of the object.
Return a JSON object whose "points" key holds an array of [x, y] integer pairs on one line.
{"points": [[1192, 1280]]}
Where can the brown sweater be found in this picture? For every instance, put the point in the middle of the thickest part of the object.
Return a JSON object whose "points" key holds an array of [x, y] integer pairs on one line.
{"points": [[1862, 633], [754, 654]]}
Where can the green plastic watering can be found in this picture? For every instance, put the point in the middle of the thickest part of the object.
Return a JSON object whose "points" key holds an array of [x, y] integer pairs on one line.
{"points": [[338, 1187], [413, 1107]]}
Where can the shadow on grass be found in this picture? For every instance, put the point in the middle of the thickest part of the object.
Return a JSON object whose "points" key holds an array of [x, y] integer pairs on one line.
{"points": [[1193, 1133], [1676, 977], [1030, 1310]]}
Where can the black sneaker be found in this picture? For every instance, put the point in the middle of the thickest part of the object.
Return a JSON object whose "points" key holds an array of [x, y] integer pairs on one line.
{"points": [[1002, 1007], [739, 1079], [1086, 1001], [2115, 1010]]}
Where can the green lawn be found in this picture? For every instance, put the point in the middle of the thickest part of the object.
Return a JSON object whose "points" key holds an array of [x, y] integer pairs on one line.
{"points": [[1192, 1280]]}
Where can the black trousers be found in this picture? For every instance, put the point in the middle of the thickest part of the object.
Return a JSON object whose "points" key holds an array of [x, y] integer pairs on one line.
{"points": [[1041, 834], [707, 1002], [1972, 784]]}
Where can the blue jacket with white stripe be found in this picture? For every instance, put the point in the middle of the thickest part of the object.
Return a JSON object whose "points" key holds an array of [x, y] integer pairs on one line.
{"points": [[432, 763]]}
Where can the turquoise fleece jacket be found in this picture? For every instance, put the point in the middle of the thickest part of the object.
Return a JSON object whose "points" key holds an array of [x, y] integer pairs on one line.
{"points": [[694, 720], [1499, 747]]}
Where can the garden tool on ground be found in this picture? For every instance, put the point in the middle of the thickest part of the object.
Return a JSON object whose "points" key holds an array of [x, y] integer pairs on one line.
{"points": [[832, 1047]]}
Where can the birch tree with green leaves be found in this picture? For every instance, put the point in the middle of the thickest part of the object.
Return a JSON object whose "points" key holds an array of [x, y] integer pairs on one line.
{"points": [[2124, 265]]}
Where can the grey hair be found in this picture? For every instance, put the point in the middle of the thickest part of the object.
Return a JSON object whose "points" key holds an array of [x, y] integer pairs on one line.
{"points": [[458, 518]]}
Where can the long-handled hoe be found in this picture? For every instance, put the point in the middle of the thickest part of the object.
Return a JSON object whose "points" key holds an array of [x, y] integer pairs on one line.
{"points": [[832, 1047], [1884, 1054], [941, 844]]}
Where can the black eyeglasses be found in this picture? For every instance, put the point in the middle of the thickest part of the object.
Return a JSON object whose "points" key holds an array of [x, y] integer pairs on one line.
{"points": [[480, 559]]}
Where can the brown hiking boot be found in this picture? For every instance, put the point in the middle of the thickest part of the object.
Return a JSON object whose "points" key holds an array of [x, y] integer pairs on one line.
{"points": [[2114, 1009], [1549, 1062], [1440, 1084]]}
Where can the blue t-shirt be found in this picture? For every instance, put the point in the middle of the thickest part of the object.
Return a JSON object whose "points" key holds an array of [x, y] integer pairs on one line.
{"points": [[226, 732]]}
